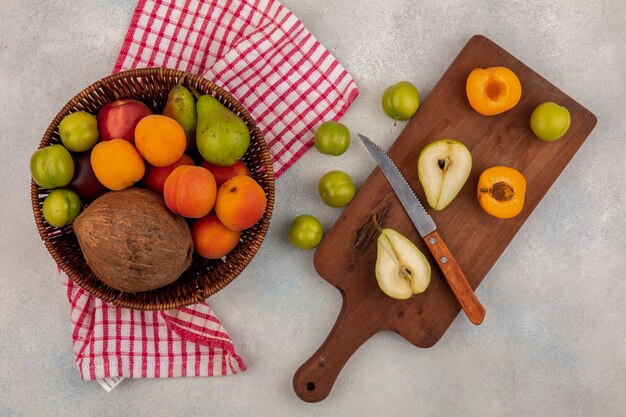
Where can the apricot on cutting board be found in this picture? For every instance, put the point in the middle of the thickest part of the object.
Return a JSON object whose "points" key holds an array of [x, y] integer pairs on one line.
{"points": [[501, 191], [493, 90]]}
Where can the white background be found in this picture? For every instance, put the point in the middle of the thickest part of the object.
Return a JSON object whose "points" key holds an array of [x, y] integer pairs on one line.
{"points": [[553, 341]]}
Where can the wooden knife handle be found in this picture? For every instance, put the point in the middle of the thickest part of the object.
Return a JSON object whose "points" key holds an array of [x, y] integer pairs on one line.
{"points": [[455, 277]]}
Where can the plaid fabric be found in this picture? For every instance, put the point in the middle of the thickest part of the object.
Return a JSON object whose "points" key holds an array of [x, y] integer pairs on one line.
{"points": [[255, 49], [263, 55], [111, 341]]}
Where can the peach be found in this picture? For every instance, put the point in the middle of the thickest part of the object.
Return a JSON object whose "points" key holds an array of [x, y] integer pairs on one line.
{"points": [[118, 119], [211, 239], [223, 174], [240, 203], [155, 177], [190, 191]]}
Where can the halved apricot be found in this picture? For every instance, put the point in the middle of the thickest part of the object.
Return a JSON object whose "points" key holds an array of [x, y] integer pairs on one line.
{"points": [[501, 191], [493, 90]]}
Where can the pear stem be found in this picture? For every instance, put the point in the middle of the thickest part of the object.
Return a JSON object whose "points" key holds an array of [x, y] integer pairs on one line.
{"points": [[194, 92], [182, 79], [375, 223]]}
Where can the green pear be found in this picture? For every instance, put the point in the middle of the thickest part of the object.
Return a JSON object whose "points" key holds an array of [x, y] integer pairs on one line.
{"points": [[221, 136], [181, 106], [443, 168], [402, 270]]}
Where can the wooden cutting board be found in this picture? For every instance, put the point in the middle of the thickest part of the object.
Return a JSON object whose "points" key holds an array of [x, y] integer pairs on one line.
{"points": [[347, 255]]}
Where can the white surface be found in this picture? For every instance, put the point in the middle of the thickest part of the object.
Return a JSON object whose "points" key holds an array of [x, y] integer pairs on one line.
{"points": [[553, 341]]}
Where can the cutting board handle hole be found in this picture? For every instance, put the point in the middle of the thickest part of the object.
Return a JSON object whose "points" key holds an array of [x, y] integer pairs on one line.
{"points": [[310, 386]]}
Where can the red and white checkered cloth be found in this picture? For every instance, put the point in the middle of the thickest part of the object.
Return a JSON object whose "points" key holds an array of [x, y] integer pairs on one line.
{"points": [[263, 55]]}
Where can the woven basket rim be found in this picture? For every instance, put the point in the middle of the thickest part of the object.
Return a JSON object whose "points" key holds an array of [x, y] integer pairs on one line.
{"points": [[203, 285]]}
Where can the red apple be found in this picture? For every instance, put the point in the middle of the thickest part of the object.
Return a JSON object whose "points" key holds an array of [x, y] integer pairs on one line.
{"points": [[117, 120], [84, 183], [223, 174], [155, 177]]}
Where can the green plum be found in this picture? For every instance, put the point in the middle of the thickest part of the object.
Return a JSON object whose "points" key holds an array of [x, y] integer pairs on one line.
{"points": [[400, 101], [52, 166], [305, 232], [336, 188], [549, 121], [79, 131], [332, 138], [61, 207]]}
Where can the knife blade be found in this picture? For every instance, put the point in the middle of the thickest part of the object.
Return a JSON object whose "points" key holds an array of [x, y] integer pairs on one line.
{"points": [[427, 229]]}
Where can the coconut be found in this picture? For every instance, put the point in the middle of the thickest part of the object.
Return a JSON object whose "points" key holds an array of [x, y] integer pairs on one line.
{"points": [[132, 242]]}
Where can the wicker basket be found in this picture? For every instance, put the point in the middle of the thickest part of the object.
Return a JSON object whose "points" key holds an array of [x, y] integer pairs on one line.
{"points": [[204, 277]]}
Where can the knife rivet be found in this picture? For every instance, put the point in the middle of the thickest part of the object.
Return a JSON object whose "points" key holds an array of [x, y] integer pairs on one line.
{"points": [[432, 240], [444, 259]]}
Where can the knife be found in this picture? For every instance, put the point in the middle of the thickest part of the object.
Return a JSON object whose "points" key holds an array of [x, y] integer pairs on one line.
{"points": [[428, 231]]}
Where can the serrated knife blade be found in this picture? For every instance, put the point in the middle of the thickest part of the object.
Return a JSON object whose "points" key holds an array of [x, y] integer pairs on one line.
{"points": [[413, 206], [427, 228]]}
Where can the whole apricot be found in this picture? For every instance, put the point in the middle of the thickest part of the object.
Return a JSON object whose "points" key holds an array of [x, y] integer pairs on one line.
{"points": [[190, 191], [117, 164], [211, 239], [160, 140], [240, 203]]}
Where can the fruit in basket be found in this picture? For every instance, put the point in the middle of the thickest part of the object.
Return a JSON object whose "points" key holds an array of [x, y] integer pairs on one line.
{"points": [[132, 242], [85, 183], [549, 121], [118, 119], [240, 203], [61, 207], [332, 138], [493, 90], [155, 177], [181, 106], [190, 191], [336, 188], [79, 131], [52, 166], [443, 168], [160, 140], [222, 137], [501, 191], [223, 174], [402, 270], [305, 232], [117, 164], [211, 239], [400, 101]]}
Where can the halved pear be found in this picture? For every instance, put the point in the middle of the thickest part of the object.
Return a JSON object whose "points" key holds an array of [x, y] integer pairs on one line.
{"points": [[443, 167], [402, 270]]}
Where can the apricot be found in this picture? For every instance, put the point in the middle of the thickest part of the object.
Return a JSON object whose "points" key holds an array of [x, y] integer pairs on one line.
{"points": [[117, 164], [211, 239], [501, 191], [160, 140], [190, 191], [240, 203], [493, 90]]}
